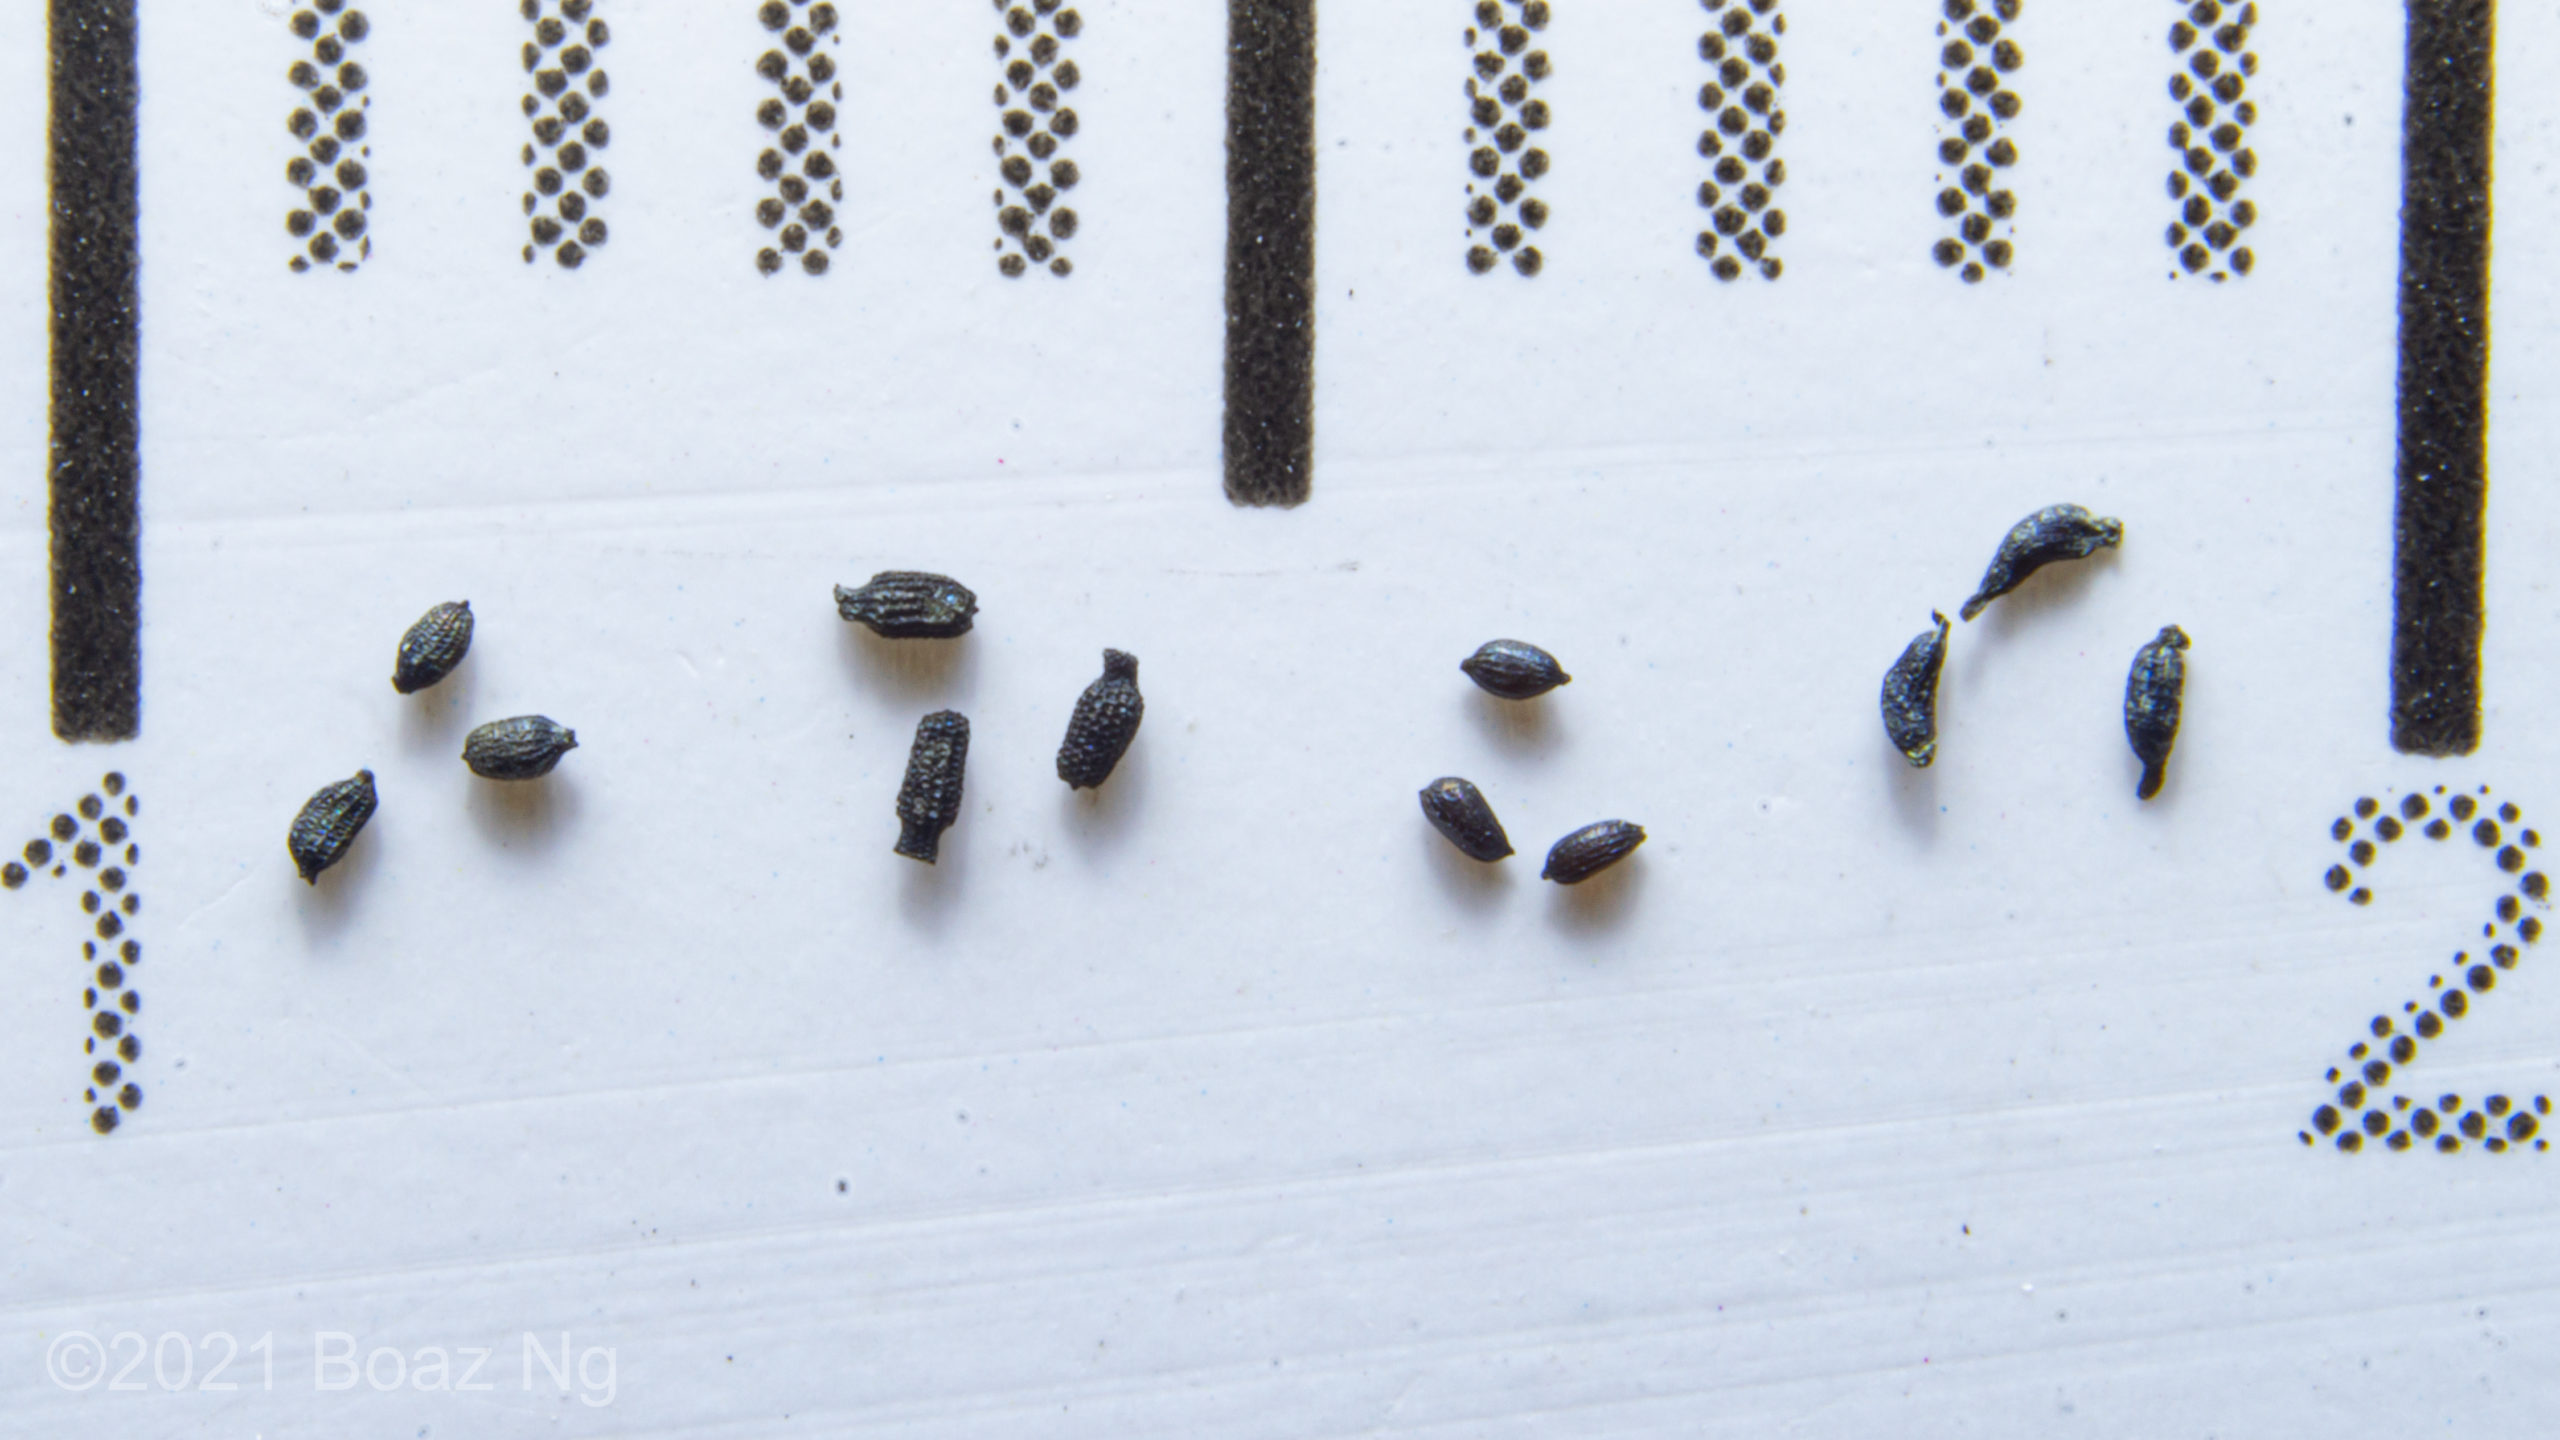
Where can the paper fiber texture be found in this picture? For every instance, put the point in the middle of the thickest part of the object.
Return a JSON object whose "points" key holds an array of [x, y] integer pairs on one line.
{"points": [[1228, 1098]]}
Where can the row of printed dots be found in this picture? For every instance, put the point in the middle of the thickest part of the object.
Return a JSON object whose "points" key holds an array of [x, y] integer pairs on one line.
{"points": [[329, 223], [91, 842], [803, 221], [1501, 115], [571, 81], [1031, 224]]}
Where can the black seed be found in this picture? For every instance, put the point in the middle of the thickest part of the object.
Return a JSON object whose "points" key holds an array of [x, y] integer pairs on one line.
{"points": [[1588, 851], [1105, 721], [523, 747], [2057, 532], [328, 823], [910, 605], [2152, 693], [1911, 695], [1458, 810], [929, 800], [432, 647], [1514, 670]]}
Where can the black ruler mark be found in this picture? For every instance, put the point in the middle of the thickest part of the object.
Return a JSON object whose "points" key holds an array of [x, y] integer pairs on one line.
{"points": [[2444, 365], [2212, 74], [1271, 250], [96, 459], [1030, 89]]}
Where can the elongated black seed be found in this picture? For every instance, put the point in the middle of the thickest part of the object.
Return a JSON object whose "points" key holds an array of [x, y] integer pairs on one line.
{"points": [[1458, 810], [524, 747], [432, 647], [929, 801], [1588, 851], [2057, 532], [910, 605], [2152, 695], [329, 823], [1514, 670], [1106, 720], [1911, 695]]}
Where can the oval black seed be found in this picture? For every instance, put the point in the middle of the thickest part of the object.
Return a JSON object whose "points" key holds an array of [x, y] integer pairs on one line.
{"points": [[1458, 810], [329, 823], [2057, 532], [910, 605], [432, 647], [2152, 695], [1911, 695], [929, 799], [522, 747], [1588, 851], [1106, 720], [1514, 670]]}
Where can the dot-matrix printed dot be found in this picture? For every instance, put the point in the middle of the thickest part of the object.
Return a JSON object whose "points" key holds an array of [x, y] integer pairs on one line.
{"points": [[329, 221], [110, 1000], [567, 179], [1745, 82], [1035, 83], [2394, 1042], [1506, 119], [800, 120], [1977, 66], [2210, 138]]}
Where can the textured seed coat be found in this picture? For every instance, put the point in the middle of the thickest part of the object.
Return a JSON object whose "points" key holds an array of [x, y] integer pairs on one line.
{"points": [[1588, 851], [2153, 695], [1457, 809], [1106, 720], [1911, 695], [524, 747], [328, 824], [910, 605], [1514, 669], [929, 801], [432, 647], [2057, 532]]}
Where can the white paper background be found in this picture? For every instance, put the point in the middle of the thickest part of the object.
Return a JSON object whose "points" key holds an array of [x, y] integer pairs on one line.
{"points": [[1230, 1101]]}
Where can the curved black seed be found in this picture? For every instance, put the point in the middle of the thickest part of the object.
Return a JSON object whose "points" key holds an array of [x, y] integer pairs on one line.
{"points": [[432, 647], [911, 605], [2152, 694], [2057, 532], [1106, 720], [328, 823], [1911, 695], [1514, 670], [1457, 809], [929, 799], [522, 747], [1588, 851]]}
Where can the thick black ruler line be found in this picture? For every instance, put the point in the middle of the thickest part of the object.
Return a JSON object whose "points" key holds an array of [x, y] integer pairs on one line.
{"points": [[1271, 250], [95, 463], [2444, 364]]}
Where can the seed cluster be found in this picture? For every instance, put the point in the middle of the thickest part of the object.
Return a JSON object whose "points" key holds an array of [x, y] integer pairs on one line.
{"points": [[799, 115], [1030, 223], [1502, 114], [1518, 672], [93, 837], [2367, 1107], [1741, 141], [1976, 105], [568, 186], [329, 216], [2214, 62]]}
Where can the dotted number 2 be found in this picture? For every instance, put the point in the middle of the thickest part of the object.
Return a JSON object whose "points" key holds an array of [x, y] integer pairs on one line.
{"points": [[2371, 1105]]}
